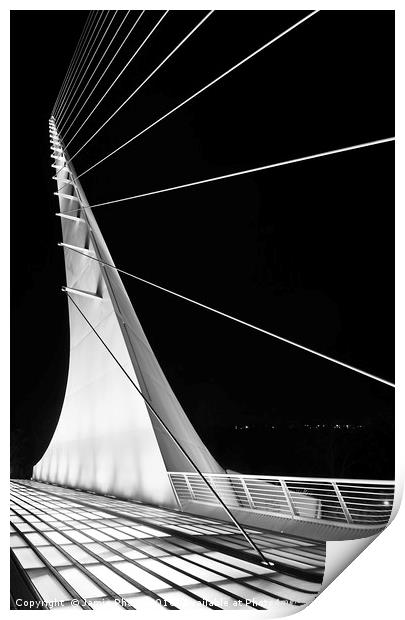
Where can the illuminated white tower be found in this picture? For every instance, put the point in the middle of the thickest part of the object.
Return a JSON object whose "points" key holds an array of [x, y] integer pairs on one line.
{"points": [[106, 439]]}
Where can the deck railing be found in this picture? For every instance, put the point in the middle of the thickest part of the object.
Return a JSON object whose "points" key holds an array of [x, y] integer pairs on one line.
{"points": [[365, 503]]}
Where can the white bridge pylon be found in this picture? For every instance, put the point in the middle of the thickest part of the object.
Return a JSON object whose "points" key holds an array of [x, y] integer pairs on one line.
{"points": [[106, 439]]}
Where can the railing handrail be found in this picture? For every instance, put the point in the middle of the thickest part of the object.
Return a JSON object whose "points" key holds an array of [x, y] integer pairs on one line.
{"points": [[354, 503], [352, 481]]}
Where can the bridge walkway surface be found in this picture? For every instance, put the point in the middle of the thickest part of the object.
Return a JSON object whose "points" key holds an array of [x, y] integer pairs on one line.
{"points": [[72, 547]]}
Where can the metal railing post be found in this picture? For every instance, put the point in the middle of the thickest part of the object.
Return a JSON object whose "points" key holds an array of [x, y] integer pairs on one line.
{"points": [[288, 497], [247, 493], [342, 502], [175, 491], [190, 489]]}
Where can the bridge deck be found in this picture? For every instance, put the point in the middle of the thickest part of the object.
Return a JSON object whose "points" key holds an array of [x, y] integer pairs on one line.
{"points": [[72, 545]]}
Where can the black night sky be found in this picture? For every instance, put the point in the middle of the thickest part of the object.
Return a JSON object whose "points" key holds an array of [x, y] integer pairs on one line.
{"points": [[305, 251]]}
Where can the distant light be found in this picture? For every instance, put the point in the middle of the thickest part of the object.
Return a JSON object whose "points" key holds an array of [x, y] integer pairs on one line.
{"points": [[386, 503], [246, 426]]}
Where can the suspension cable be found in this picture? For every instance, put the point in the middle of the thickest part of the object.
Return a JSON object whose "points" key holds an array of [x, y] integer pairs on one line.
{"points": [[138, 88], [72, 63], [83, 90], [86, 64], [77, 68], [233, 318], [238, 173], [120, 73], [198, 92], [102, 75], [242, 530]]}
